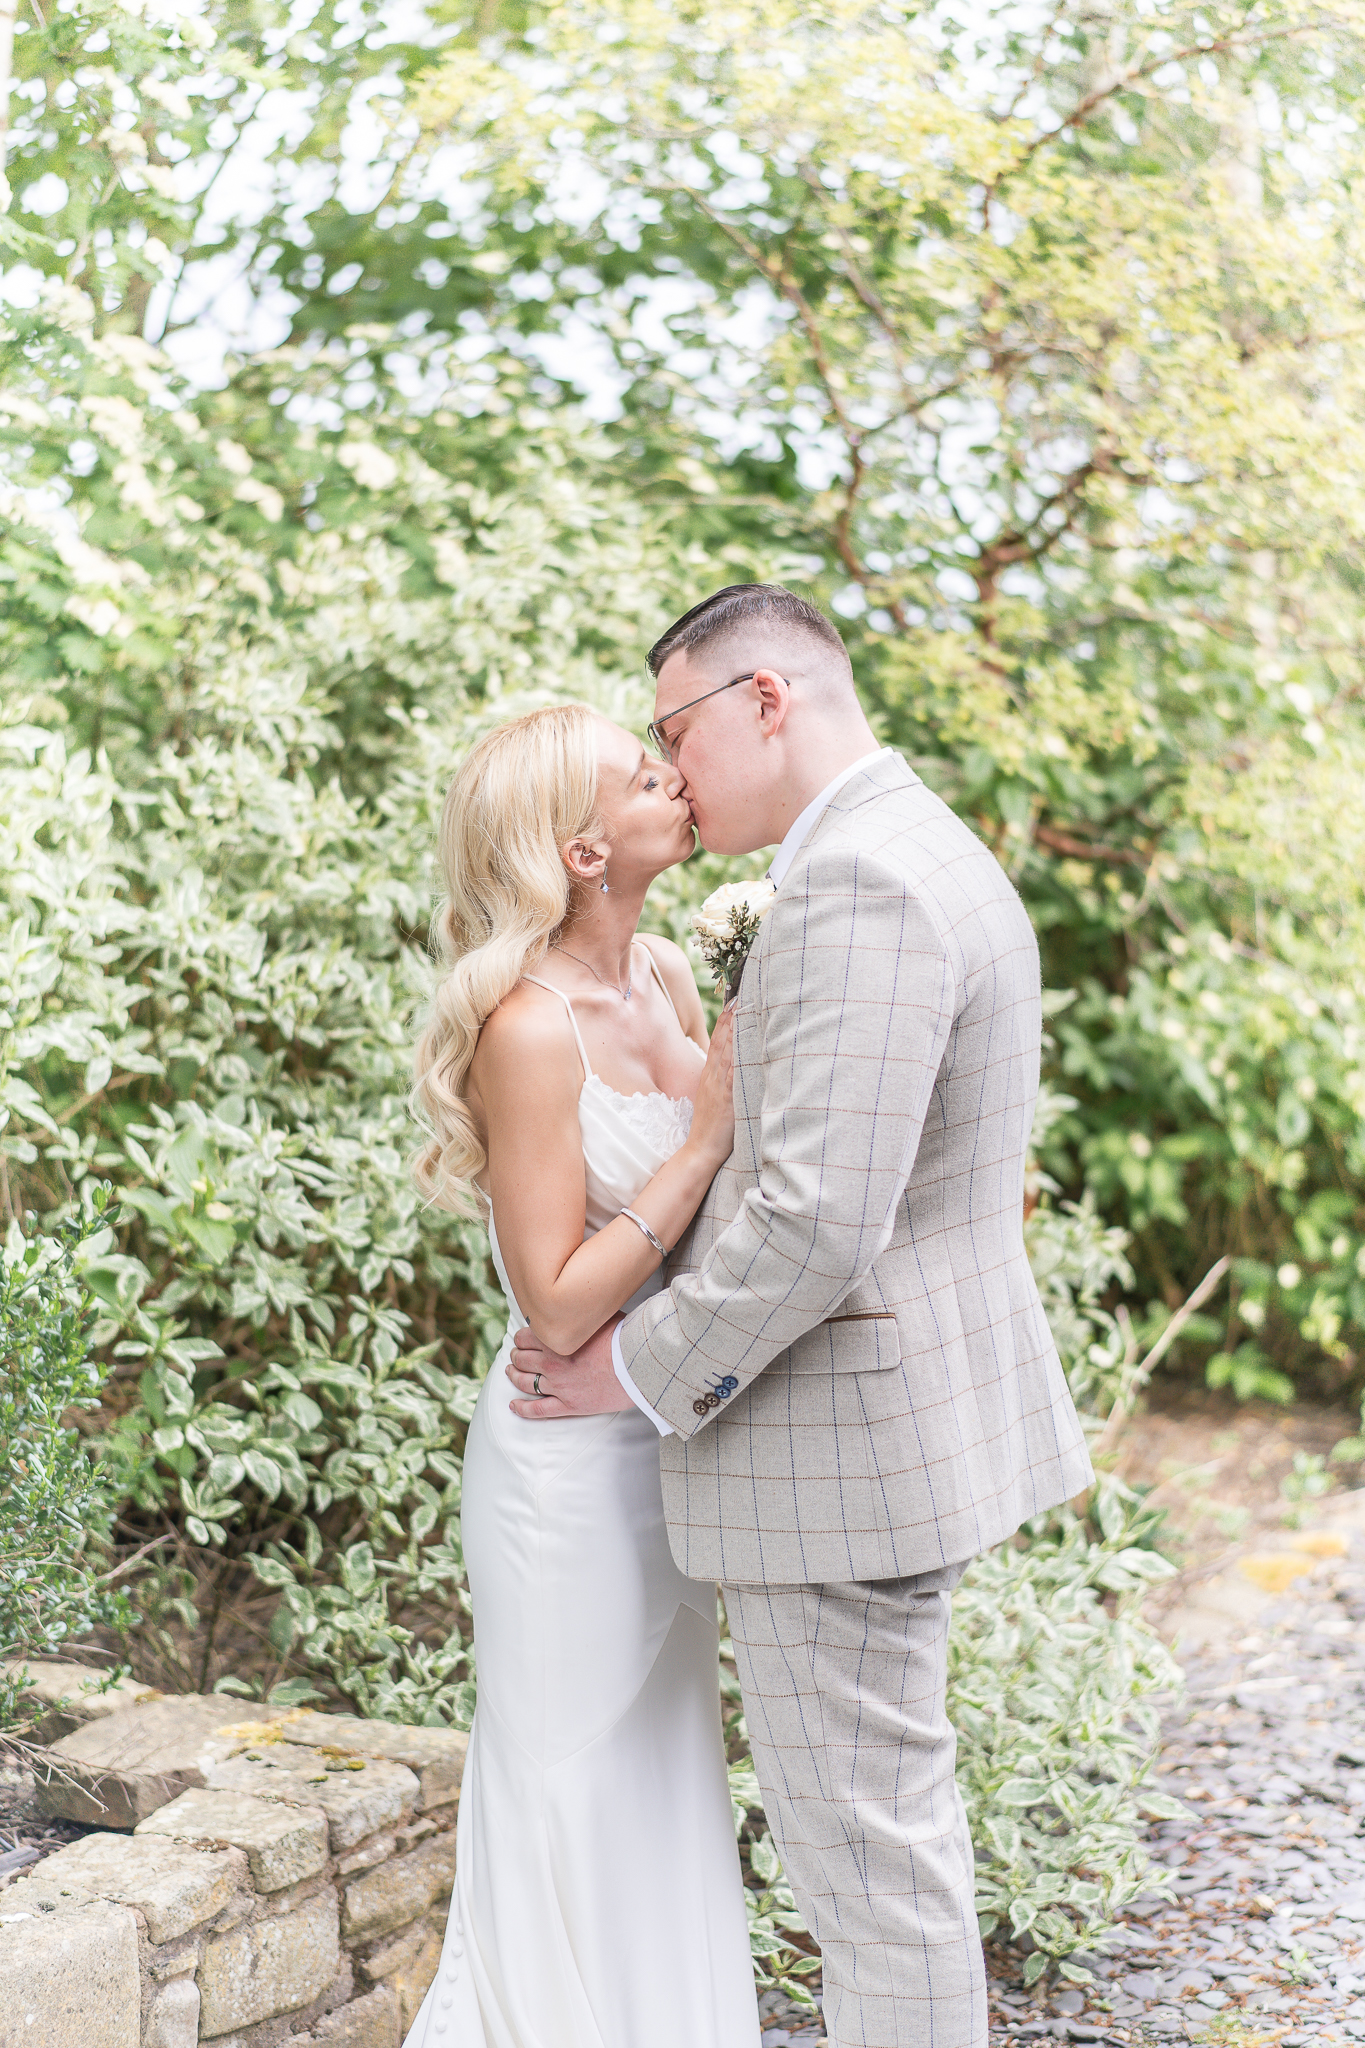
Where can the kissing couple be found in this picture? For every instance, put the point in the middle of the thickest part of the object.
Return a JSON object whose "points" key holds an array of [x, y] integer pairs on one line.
{"points": [[771, 1324]]}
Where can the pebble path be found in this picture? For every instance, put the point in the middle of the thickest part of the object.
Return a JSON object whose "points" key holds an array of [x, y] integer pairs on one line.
{"points": [[1264, 1942]]}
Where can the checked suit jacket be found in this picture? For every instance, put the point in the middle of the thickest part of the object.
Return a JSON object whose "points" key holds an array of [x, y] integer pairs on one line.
{"points": [[851, 1349]]}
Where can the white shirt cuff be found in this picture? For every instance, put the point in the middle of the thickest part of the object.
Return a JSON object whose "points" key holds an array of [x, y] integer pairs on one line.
{"points": [[664, 1428]]}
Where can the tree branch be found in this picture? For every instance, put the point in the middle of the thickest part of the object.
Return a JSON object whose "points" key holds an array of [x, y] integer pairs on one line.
{"points": [[1084, 849], [1136, 73], [1039, 63], [1123, 1408], [782, 282], [118, 1081]]}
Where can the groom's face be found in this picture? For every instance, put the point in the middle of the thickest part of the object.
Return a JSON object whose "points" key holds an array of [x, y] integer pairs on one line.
{"points": [[718, 747]]}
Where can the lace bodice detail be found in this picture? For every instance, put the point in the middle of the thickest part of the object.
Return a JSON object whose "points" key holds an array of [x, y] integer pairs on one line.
{"points": [[663, 1121]]}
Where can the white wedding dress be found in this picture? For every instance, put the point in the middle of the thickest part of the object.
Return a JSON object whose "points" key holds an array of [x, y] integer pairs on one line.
{"points": [[598, 1897]]}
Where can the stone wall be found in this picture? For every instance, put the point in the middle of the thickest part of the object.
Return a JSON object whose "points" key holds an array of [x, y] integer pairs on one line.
{"points": [[248, 1882]]}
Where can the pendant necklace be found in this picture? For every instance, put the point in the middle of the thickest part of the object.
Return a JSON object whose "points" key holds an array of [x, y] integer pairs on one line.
{"points": [[624, 993]]}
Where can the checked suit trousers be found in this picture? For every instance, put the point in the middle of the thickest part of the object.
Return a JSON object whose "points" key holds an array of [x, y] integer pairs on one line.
{"points": [[844, 1698]]}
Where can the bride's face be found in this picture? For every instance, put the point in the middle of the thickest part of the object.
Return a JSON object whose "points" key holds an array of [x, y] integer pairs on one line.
{"points": [[647, 819]]}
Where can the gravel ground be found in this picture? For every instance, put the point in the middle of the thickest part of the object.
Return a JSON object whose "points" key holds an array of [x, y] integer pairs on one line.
{"points": [[1265, 1940]]}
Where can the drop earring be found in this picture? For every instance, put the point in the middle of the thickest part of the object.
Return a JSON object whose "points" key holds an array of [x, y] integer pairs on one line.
{"points": [[605, 890]]}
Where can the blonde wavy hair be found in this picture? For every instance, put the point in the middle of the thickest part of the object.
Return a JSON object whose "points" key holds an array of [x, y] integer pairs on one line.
{"points": [[518, 797]]}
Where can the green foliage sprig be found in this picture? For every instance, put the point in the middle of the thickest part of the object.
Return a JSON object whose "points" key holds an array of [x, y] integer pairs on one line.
{"points": [[57, 1502]]}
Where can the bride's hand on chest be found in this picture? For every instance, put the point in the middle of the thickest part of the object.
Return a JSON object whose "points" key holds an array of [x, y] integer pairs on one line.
{"points": [[713, 1113]]}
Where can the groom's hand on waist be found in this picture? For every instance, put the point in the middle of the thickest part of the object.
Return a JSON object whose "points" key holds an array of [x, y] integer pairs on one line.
{"points": [[550, 1387]]}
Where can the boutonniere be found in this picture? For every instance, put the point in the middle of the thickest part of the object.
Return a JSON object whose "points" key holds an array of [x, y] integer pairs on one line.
{"points": [[727, 925]]}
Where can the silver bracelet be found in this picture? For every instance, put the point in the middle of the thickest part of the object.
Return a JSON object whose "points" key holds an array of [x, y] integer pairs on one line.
{"points": [[660, 1247]]}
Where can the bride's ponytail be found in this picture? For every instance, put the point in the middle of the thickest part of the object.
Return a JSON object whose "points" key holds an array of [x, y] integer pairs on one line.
{"points": [[519, 796]]}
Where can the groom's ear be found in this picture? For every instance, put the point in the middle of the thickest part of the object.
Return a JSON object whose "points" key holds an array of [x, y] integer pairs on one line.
{"points": [[774, 700]]}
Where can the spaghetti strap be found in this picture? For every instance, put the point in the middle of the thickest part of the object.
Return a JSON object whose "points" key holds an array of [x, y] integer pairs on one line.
{"points": [[663, 985], [573, 1021]]}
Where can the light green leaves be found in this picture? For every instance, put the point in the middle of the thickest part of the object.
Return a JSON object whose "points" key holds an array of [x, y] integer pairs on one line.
{"points": [[357, 1570], [773, 1918], [1019, 1792], [1055, 401], [1050, 1694], [1129, 1569], [57, 1503], [207, 1512]]}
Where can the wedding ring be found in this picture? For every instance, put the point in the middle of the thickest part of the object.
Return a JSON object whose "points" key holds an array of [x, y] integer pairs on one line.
{"points": [[535, 1387]]}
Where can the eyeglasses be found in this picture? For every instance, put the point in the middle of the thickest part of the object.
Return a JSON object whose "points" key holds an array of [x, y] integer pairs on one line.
{"points": [[655, 729]]}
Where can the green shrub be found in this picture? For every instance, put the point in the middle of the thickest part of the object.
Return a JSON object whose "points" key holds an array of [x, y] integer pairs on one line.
{"points": [[1036, 331], [216, 874], [1052, 1677], [57, 1504], [247, 634], [899, 347]]}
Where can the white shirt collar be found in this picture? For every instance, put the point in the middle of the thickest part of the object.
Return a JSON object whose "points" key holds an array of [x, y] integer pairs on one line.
{"points": [[787, 851]]}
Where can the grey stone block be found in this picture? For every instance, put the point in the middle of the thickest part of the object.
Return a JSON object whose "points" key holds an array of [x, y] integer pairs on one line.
{"points": [[173, 2021], [436, 1755], [369, 2022], [63, 1697], [69, 1979], [400, 1891], [176, 1958], [377, 1849], [117, 1770], [31, 1895], [284, 1844], [358, 1796], [408, 1965], [268, 1967], [174, 1887]]}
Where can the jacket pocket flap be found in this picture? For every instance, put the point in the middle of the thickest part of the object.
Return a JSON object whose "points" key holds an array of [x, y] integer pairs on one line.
{"points": [[861, 1340]]}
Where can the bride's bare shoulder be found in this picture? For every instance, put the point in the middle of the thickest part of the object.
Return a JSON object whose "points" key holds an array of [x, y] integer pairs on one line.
{"points": [[668, 955], [676, 969], [529, 1036]]}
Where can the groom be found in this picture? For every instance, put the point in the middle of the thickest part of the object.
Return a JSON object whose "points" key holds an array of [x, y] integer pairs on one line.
{"points": [[851, 1369]]}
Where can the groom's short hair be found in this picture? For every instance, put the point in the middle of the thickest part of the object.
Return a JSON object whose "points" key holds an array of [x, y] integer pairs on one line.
{"points": [[740, 605]]}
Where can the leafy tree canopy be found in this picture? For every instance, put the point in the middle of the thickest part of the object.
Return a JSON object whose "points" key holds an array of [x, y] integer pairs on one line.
{"points": [[1041, 340]]}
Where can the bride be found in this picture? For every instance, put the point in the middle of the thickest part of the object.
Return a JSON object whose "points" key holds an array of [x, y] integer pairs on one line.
{"points": [[564, 1072]]}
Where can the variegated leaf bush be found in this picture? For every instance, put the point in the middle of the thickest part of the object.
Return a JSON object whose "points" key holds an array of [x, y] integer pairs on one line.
{"points": [[218, 782], [984, 349]]}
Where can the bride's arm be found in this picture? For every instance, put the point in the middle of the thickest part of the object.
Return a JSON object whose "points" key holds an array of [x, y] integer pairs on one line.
{"points": [[527, 1076]]}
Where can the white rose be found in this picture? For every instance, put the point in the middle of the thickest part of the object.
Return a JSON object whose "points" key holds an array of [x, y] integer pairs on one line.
{"points": [[760, 896], [716, 918]]}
